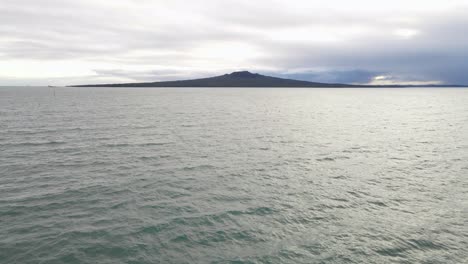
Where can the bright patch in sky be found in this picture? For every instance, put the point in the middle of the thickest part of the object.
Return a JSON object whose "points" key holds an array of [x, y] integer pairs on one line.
{"points": [[406, 33], [390, 80], [379, 78]]}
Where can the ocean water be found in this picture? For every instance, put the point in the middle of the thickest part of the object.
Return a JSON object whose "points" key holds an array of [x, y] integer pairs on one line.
{"points": [[127, 175]]}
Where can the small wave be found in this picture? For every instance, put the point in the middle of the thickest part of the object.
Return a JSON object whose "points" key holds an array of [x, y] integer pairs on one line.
{"points": [[149, 144], [378, 203], [410, 245], [326, 159], [199, 167], [425, 142], [253, 211], [153, 229], [181, 238], [340, 200], [143, 158], [355, 194], [33, 144], [396, 158], [153, 144], [339, 177], [116, 145], [333, 158], [357, 150]]}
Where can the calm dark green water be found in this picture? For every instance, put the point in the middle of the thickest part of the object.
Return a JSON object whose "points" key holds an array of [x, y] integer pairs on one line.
{"points": [[96, 175]]}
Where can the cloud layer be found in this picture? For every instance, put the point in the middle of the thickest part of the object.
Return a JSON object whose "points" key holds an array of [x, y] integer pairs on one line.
{"points": [[362, 41]]}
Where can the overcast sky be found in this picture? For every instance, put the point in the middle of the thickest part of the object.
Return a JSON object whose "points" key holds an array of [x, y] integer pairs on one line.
{"points": [[65, 42]]}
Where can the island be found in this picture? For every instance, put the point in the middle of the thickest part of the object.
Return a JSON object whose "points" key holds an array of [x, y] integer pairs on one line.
{"points": [[246, 79], [235, 79]]}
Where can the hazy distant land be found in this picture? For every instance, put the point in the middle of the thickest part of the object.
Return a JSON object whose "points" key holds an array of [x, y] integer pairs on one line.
{"points": [[247, 79]]}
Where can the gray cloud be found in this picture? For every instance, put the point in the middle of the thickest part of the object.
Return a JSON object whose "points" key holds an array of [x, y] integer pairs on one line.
{"points": [[439, 53]]}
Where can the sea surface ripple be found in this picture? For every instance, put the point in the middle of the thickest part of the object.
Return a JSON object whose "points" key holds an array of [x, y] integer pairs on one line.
{"points": [[127, 175]]}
